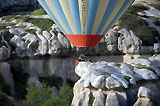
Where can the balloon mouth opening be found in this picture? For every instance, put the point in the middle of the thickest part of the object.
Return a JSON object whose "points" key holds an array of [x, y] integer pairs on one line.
{"points": [[84, 40]]}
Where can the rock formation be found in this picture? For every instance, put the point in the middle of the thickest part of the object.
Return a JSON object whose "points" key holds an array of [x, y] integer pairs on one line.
{"points": [[128, 43], [117, 84]]}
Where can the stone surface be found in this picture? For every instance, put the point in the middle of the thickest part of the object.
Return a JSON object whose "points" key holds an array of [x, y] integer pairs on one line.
{"points": [[32, 43], [55, 47], [5, 49], [128, 43], [7, 75], [112, 41], [17, 31], [20, 46], [144, 97], [47, 35]]}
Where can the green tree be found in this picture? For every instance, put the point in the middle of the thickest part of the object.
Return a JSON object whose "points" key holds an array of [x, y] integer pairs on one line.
{"points": [[37, 96], [66, 93]]}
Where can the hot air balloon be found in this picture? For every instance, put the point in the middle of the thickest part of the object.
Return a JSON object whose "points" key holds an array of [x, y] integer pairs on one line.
{"points": [[85, 22]]}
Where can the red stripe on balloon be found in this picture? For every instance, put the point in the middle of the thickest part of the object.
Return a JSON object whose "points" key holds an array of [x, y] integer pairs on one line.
{"points": [[84, 40]]}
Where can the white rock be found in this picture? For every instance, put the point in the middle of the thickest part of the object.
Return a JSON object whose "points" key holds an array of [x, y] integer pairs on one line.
{"points": [[99, 82], [145, 92], [146, 74], [55, 47], [17, 31], [129, 43], [112, 82], [47, 35]]}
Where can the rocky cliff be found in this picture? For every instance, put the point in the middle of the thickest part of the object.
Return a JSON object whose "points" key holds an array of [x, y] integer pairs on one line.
{"points": [[8, 5], [135, 82]]}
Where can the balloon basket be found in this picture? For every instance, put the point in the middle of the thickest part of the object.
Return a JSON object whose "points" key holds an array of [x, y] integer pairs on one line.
{"points": [[84, 40]]}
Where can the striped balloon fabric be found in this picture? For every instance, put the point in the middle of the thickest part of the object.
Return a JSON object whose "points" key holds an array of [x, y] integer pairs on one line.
{"points": [[85, 22]]}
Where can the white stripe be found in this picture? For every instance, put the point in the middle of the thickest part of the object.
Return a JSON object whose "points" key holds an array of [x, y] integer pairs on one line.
{"points": [[100, 13], [114, 12], [122, 13], [68, 14], [83, 11], [50, 4]]}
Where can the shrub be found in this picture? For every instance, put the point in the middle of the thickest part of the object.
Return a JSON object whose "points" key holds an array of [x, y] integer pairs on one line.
{"points": [[140, 27], [41, 96], [37, 96], [66, 93], [56, 102], [136, 8], [38, 12], [106, 73]]}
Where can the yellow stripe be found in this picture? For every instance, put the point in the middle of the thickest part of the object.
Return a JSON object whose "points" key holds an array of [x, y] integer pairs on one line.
{"points": [[100, 14], [83, 11], [50, 4], [114, 12], [122, 13], [68, 14]]}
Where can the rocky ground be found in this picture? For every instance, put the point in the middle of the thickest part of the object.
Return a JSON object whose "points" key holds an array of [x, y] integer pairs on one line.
{"points": [[37, 35], [135, 82]]}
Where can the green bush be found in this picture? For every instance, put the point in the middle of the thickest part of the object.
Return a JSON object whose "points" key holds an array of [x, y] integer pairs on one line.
{"points": [[37, 96], [66, 93], [41, 96], [140, 28], [38, 12], [136, 8], [56, 102]]}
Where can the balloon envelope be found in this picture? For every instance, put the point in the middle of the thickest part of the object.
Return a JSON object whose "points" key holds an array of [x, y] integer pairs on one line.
{"points": [[85, 22]]}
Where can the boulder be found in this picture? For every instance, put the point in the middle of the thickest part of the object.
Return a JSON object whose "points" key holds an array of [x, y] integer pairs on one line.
{"points": [[81, 95], [129, 43], [32, 43], [47, 35], [55, 47], [6, 48], [20, 46], [111, 41], [157, 48], [65, 43], [99, 99], [17, 31], [4, 53], [144, 97], [43, 43]]}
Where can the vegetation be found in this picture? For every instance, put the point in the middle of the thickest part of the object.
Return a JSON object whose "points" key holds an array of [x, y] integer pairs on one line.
{"points": [[37, 96], [117, 64], [66, 93], [145, 33], [41, 96], [127, 78], [130, 67], [136, 8], [52, 81], [106, 73], [44, 24], [145, 67], [91, 100], [38, 12]]}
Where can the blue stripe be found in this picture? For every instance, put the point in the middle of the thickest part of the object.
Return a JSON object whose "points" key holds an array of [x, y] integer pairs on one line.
{"points": [[61, 14], [119, 13], [74, 7], [93, 8], [107, 14], [52, 15]]}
